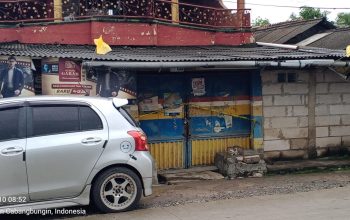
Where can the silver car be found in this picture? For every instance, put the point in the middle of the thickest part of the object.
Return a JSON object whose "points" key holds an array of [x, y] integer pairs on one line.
{"points": [[65, 151]]}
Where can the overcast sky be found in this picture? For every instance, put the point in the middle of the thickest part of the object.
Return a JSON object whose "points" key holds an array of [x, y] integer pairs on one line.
{"points": [[279, 14]]}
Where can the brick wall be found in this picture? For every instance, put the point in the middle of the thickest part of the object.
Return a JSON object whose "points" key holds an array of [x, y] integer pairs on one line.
{"points": [[332, 112], [285, 110], [286, 113]]}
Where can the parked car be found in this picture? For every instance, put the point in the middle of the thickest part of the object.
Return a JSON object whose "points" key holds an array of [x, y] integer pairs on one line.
{"points": [[68, 151]]}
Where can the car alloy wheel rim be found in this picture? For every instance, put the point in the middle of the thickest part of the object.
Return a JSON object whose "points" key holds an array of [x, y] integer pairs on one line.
{"points": [[118, 191]]}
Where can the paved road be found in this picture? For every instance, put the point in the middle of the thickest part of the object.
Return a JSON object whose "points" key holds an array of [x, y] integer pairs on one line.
{"points": [[322, 204]]}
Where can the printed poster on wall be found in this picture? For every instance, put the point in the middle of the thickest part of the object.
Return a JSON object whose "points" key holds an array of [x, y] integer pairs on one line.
{"points": [[113, 82], [149, 104], [69, 71], [65, 77], [198, 86], [22, 79], [172, 104], [49, 68]]}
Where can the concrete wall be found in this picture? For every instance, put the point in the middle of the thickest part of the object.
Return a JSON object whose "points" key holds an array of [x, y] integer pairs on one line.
{"points": [[332, 112], [305, 118]]}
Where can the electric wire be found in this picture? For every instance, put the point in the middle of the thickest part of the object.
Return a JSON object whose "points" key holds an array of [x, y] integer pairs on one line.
{"points": [[289, 6]]}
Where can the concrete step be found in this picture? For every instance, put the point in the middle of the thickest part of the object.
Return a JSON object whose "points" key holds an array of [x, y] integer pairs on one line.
{"points": [[208, 172], [192, 174], [189, 170]]}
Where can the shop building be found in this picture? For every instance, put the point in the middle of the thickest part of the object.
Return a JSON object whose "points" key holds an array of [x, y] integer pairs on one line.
{"points": [[193, 79]]}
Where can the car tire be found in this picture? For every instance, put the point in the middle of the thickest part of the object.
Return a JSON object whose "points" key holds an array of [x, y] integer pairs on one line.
{"points": [[116, 190]]}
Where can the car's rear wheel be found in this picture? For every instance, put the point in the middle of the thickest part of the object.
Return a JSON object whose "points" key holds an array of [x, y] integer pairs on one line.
{"points": [[116, 190]]}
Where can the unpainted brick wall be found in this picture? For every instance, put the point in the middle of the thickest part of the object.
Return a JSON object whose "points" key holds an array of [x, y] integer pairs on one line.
{"points": [[286, 111], [332, 110]]}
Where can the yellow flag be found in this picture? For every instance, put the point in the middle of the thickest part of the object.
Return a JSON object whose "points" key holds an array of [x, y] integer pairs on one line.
{"points": [[101, 46], [348, 51]]}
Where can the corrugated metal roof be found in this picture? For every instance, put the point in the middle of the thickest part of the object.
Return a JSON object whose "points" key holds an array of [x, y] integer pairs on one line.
{"points": [[312, 39], [169, 54], [284, 32], [337, 39]]}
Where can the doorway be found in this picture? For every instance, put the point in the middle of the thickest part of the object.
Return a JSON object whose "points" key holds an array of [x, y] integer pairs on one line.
{"points": [[189, 117]]}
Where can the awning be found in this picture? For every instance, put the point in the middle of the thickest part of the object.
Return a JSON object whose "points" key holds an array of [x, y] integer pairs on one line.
{"points": [[250, 52]]}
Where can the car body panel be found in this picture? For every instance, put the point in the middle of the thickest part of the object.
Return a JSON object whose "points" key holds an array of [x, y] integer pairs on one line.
{"points": [[13, 172], [13, 181], [64, 160], [144, 165], [82, 199], [117, 102], [60, 168], [61, 157]]}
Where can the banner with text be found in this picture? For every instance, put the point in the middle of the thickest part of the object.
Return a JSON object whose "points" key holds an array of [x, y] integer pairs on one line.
{"points": [[65, 77], [23, 77]]}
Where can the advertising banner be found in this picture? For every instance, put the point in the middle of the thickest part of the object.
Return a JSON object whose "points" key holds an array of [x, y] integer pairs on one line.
{"points": [[69, 71], [67, 77], [113, 82], [62, 76], [16, 76]]}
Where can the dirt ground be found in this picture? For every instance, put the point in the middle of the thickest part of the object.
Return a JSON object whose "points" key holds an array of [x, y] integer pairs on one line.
{"points": [[211, 190]]}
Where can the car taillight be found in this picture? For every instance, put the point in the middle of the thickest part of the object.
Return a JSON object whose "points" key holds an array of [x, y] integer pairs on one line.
{"points": [[140, 140]]}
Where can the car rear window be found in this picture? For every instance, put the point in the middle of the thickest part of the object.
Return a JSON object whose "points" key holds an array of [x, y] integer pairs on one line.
{"points": [[55, 119], [128, 117], [58, 119], [89, 120]]}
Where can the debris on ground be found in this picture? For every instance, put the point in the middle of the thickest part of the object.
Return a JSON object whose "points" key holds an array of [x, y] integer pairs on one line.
{"points": [[186, 176], [211, 190], [237, 162]]}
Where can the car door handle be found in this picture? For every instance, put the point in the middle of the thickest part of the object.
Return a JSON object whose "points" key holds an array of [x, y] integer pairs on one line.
{"points": [[12, 150], [91, 140]]}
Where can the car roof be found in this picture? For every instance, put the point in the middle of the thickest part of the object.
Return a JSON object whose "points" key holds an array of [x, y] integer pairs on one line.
{"points": [[118, 102]]}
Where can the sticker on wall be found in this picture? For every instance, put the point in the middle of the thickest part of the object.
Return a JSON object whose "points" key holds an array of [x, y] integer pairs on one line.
{"points": [[228, 121], [49, 68], [22, 81], [217, 127], [198, 86], [149, 104], [172, 104]]}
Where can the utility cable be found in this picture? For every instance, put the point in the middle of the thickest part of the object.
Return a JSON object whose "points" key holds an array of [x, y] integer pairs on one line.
{"points": [[289, 6]]}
